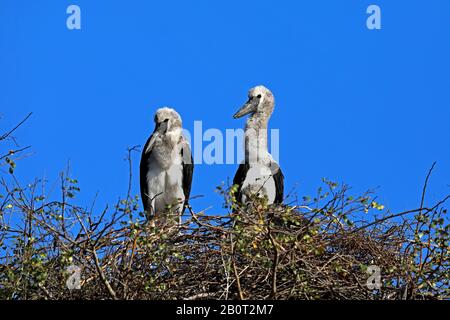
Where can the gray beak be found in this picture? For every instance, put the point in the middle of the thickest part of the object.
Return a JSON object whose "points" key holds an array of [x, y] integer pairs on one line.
{"points": [[162, 127], [249, 107]]}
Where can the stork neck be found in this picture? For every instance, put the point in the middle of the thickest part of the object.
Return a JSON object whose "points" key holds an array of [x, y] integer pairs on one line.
{"points": [[172, 137], [256, 148]]}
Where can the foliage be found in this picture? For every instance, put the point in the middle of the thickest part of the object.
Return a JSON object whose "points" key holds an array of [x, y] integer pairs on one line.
{"points": [[325, 248], [315, 251]]}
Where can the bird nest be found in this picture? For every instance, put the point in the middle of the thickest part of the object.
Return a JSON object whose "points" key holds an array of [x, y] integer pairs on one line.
{"points": [[328, 248]]}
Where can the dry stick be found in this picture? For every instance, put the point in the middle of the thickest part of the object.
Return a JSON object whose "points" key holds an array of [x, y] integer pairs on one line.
{"points": [[44, 289], [275, 259], [400, 214], [127, 209], [426, 184], [130, 173], [6, 135], [102, 275], [418, 223], [197, 220], [63, 203], [226, 272], [200, 296], [97, 263], [236, 274], [274, 266], [421, 206], [12, 152], [133, 250]]}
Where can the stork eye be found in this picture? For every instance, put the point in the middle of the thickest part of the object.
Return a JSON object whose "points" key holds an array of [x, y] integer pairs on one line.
{"points": [[259, 96]]}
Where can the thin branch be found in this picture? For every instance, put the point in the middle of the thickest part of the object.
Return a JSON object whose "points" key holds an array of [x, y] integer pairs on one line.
{"points": [[102, 276], [7, 134], [12, 152]]}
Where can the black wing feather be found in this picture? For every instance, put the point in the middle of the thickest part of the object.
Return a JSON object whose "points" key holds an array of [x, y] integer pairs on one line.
{"points": [[279, 186], [143, 169], [239, 178], [188, 172], [242, 173]]}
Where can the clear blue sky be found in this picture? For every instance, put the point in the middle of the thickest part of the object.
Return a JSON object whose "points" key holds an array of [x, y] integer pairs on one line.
{"points": [[369, 108]]}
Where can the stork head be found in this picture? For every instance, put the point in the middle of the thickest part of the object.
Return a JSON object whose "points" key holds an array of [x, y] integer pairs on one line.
{"points": [[167, 119], [260, 101]]}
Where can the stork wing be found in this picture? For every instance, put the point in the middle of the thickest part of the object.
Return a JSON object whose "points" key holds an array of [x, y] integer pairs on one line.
{"points": [[239, 178], [188, 170], [144, 167], [278, 177]]}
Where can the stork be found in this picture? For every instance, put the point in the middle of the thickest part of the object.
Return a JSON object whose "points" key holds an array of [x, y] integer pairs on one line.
{"points": [[259, 175], [166, 169]]}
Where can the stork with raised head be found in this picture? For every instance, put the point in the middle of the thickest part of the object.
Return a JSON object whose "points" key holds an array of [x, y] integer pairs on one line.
{"points": [[259, 175], [166, 168]]}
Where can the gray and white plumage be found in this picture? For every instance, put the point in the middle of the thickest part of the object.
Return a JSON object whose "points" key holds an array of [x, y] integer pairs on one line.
{"points": [[259, 174], [166, 168]]}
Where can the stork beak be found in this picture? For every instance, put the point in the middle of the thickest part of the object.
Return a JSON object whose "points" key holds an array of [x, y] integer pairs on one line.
{"points": [[162, 127], [247, 108]]}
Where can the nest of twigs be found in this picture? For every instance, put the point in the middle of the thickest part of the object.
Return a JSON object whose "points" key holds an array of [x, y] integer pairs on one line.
{"points": [[324, 249]]}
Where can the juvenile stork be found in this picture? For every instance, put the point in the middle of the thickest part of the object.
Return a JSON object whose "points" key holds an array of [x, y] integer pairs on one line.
{"points": [[259, 175], [166, 169]]}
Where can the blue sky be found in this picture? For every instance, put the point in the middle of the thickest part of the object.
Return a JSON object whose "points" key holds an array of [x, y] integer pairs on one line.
{"points": [[369, 108]]}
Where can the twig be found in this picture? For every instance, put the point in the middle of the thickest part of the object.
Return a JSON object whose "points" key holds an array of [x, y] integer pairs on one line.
{"points": [[274, 265], [6, 135], [200, 296], [12, 152], [236, 274], [102, 275]]}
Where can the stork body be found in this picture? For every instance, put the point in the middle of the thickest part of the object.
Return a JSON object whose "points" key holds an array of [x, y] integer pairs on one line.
{"points": [[259, 174], [166, 168]]}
